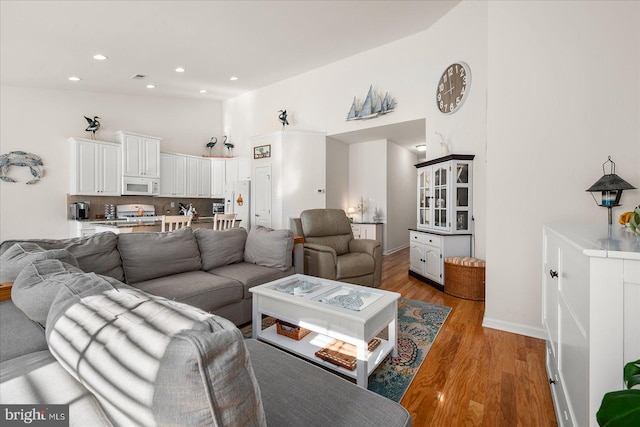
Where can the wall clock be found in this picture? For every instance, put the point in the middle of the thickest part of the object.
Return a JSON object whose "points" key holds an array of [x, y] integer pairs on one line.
{"points": [[453, 87]]}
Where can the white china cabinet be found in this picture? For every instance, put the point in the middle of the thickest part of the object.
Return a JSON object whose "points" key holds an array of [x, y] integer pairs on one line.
{"points": [[444, 216]]}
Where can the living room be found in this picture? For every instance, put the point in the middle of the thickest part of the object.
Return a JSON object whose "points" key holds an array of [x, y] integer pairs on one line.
{"points": [[539, 118]]}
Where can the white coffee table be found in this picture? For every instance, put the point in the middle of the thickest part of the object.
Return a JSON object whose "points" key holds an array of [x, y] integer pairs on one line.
{"points": [[309, 306]]}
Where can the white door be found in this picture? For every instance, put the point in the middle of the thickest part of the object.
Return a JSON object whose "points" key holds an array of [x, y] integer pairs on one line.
{"points": [[263, 196]]}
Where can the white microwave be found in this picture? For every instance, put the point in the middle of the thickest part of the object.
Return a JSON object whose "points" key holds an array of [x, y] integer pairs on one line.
{"points": [[140, 186]]}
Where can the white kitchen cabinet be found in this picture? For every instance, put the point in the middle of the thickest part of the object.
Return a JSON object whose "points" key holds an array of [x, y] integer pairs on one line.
{"points": [[198, 177], [237, 169], [81, 228], [140, 154], [217, 177], [590, 295], [173, 175], [371, 231], [445, 202], [95, 167], [427, 252]]}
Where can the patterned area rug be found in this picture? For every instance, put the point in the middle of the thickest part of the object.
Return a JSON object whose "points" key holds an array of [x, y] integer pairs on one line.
{"points": [[418, 325]]}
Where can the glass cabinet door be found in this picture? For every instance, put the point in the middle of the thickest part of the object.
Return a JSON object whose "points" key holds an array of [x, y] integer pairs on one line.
{"points": [[462, 196], [424, 188], [440, 188]]}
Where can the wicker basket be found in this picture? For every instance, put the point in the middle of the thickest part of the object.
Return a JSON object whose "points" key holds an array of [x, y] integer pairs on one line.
{"points": [[464, 277], [290, 330]]}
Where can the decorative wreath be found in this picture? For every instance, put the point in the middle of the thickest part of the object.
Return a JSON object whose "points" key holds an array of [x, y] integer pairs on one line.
{"points": [[20, 158]]}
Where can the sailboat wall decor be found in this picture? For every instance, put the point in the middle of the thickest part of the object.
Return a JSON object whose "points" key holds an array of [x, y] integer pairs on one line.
{"points": [[373, 106]]}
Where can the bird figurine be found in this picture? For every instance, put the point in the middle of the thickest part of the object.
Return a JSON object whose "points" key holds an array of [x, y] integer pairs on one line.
{"points": [[94, 125], [212, 144], [283, 118], [228, 144]]}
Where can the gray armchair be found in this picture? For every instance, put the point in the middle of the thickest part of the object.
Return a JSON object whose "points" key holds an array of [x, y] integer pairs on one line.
{"points": [[331, 252]]}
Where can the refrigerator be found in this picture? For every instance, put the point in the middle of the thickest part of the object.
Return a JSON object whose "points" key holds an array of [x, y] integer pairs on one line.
{"points": [[237, 200]]}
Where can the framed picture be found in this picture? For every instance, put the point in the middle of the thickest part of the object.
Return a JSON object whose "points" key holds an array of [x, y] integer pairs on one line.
{"points": [[262, 151]]}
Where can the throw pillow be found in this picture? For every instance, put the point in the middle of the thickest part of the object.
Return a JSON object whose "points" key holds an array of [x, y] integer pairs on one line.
{"points": [[150, 361], [37, 285], [146, 256], [14, 259], [220, 247], [269, 248]]}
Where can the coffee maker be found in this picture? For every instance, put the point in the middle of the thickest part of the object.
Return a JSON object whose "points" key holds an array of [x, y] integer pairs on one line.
{"points": [[79, 210]]}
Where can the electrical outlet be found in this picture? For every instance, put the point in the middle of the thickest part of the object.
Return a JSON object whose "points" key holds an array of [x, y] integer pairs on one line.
{"points": [[173, 204]]}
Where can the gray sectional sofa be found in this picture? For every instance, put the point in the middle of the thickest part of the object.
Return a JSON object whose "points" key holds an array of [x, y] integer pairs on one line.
{"points": [[162, 348], [209, 269]]}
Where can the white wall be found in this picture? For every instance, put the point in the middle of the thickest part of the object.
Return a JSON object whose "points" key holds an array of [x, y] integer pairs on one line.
{"points": [[337, 173], [40, 121], [401, 197], [298, 166], [368, 177], [564, 94]]}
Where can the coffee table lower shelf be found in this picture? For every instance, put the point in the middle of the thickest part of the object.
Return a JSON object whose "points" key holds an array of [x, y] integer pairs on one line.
{"points": [[307, 346]]}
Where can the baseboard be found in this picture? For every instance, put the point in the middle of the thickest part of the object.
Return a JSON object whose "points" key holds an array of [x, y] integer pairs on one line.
{"points": [[515, 328], [394, 250], [426, 280]]}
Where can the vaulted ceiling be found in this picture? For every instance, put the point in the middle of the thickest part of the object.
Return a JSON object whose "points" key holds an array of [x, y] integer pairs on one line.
{"points": [[43, 43]]}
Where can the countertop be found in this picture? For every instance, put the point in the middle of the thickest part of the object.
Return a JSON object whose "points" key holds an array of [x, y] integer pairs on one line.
{"points": [[121, 223], [602, 241]]}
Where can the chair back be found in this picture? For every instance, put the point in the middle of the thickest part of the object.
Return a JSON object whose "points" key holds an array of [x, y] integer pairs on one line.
{"points": [[329, 227], [224, 221], [175, 222]]}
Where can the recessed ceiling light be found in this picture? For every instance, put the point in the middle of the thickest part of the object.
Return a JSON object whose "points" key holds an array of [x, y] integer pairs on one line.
{"points": [[421, 147], [180, 70], [234, 78], [75, 79], [99, 57], [151, 86], [203, 91]]}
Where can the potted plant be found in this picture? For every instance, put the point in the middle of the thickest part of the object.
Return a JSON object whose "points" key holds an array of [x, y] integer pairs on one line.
{"points": [[622, 408]]}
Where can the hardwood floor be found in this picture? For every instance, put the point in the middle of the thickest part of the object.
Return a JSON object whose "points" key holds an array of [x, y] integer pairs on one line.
{"points": [[472, 376]]}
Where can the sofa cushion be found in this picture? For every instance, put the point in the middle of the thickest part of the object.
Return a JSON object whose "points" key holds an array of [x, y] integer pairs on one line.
{"points": [[38, 379], [220, 247], [36, 287], [269, 248], [250, 275], [196, 288], [341, 402], [19, 335], [96, 253], [354, 264], [146, 256], [150, 361], [14, 259]]}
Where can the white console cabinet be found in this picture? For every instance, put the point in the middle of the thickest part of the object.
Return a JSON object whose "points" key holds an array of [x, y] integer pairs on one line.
{"points": [[371, 231], [590, 294]]}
